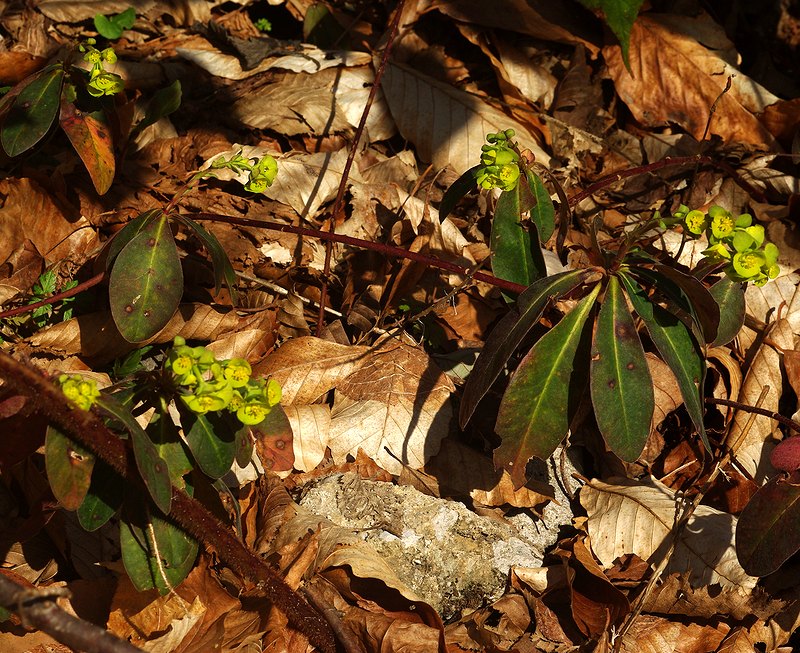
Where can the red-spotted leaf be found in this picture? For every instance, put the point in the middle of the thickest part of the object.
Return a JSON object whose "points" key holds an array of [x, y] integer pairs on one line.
{"points": [[33, 111], [768, 530], [91, 138], [729, 296], [273, 438], [510, 331], [516, 254], [146, 282], [677, 348], [128, 233], [535, 411], [620, 382], [69, 468], [156, 554]]}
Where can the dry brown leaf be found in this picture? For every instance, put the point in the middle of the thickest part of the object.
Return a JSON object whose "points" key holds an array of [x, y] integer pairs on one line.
{"points": [[638, 517], [309, 367], [311, 427], [675, 79], [447, 126], [394, 406], [752, 453], [651, 634]]}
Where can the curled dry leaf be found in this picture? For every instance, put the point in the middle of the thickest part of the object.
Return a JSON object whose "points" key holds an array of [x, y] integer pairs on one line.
{"points": [[651, 634], [638, 517], [753, 452], [311, 428], [675, 79], [394, 406]]}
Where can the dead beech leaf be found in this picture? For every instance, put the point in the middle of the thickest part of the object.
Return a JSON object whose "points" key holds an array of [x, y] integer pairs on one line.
{"points": [[447, 126], [753, 452], [651, 634], [780, 297], [675, 79], [665, 387], [397, 400], [308, 367], [638, 517], [311, 427]]}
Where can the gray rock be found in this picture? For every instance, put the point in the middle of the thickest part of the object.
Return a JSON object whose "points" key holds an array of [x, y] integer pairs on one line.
{"points": [[451, 557]]}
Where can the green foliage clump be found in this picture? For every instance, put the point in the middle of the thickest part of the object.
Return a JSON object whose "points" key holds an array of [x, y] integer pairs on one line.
{"points": [[111, 27]]}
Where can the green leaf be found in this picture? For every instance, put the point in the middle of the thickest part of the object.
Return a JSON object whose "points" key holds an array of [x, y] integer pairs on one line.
{"points": [[152, 467], [33, 111], [620, 16], [103, 499], [768, 530], [111, 27], [510, 331], [91, 138], [69, 468], [677, 348], [128, 233], [543, 213], [146, 282], [146, 540], [211, 440], [243, 443], [223, 270], [534, 414], [619, 379], [164, 102], [729, 295], [516, 254], [460, 187], [167, 441]]}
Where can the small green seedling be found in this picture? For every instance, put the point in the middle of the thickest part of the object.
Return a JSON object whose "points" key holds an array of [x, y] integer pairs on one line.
{"points": [[111, 27]]}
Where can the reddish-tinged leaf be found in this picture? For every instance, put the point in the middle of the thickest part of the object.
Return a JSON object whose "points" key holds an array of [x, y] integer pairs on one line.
{"points": [[621, 386], [33, 111], [69, 468], [768, 532], [786, 456], [534, 413], [91, 138], [273, 438]]}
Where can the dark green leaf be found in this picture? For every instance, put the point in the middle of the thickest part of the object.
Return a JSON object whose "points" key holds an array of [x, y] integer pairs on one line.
{"points": [[128, 233], [152, 467], [33, 111], [69, 468], [167, 441], [768, 530], [620, 382], [223, 270], [146, 282], [212, 441], [729, 296], [543, 213], [620, 16], [516, 254], [460, 187], [156, 553], [678, 349], [534, 414], [243, 442], [510, 331], [164, 102], [91, 138], [103, 499]]}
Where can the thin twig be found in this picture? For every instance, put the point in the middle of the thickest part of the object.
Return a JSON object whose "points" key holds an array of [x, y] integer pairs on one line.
{"points": [[789, 423], [338, 205], [66, 294]]}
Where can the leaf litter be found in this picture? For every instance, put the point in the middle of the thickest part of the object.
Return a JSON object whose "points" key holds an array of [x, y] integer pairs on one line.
{"points": [[372, 395]]}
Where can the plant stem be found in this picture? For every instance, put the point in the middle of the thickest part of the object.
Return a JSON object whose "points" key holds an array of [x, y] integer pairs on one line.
{"points": [[55, 298], [790, 423]]}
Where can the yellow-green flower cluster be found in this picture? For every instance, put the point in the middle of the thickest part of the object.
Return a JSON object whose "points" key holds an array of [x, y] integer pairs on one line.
{"points": [[80, 391], [735, 241], [101, 82], [207, 384], [261, 174], [499, 162]]}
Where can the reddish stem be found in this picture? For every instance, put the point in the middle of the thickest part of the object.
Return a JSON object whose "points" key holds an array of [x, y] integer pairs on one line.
{"points": [[55, 298]]}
